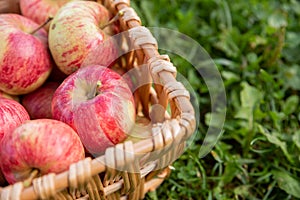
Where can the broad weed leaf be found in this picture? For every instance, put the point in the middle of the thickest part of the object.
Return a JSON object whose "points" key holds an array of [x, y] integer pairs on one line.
{"points": [[290, 105], [287, 182]]}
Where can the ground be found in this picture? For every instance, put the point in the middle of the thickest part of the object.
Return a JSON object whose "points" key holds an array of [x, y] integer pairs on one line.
{"points": [[255, 48]]}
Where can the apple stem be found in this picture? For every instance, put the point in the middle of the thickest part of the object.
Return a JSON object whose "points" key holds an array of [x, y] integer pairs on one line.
{"points": [[115, 18], [41, 26], [99, 84], [33, 174]]}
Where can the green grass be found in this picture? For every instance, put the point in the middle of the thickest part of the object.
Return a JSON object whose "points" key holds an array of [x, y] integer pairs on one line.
{"points": [[256, 46]]}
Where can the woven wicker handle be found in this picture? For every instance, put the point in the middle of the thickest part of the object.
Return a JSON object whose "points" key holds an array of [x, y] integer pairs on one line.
{"points": [[9, 6], [169, 135]]}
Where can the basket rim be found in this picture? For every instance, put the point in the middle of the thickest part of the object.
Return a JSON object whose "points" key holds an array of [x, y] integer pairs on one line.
{"points": [[184, 119]]}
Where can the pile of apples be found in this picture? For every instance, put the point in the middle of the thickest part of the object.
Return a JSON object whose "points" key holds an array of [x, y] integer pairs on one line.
{"points": [[58, 103]]}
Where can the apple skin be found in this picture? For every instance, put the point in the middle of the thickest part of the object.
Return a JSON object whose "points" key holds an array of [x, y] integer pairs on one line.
{"points": [[40, 10], [24, 58], [3, 182], [56, 75], [8, 96], [44, 144], [98, 104], [75, 33], [12, 114], [38, 102]]}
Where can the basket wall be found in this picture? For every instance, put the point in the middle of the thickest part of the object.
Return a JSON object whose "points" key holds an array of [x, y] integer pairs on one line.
{"points": [[145, 162]]}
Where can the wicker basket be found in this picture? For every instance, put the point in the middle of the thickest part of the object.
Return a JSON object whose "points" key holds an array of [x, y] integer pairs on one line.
{"points": [[145, 163]]}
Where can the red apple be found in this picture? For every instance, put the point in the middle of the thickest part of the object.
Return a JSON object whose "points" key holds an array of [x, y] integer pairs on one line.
{"points": [[45, 145], [3, 182], [98, 104], [24, 57], [8, 96], [38, 102], [56, 75], [40, 10], [76, 31], [12, 114]]}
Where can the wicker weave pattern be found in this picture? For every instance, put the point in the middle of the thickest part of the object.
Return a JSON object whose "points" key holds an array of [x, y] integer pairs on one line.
{"points": [[128, 170]]}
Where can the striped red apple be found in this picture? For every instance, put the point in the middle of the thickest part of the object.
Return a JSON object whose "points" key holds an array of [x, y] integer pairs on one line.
{"points": [[76, 31], [97, 103], [12, 114], [39, 147], [38, 102], [8, 96], [40, 10], [24, 55]]}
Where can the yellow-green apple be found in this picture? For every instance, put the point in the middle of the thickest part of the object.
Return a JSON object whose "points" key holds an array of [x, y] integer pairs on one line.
{"points": [[39, 146], [98, 104], [76, 31], [24, 57], [38, 102], [14, 97], [12, 114], [40, 10]]}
